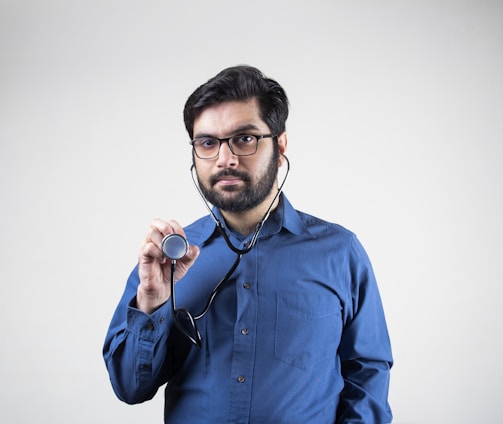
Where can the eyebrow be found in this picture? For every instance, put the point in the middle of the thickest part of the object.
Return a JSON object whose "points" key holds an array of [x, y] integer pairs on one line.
{"points": [[238, 130]]}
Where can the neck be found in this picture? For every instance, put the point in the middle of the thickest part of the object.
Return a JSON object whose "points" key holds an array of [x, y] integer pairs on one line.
{"points": [[245, 222]]}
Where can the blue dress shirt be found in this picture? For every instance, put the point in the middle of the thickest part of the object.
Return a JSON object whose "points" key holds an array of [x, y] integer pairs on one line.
{"points": [[297, 335]]}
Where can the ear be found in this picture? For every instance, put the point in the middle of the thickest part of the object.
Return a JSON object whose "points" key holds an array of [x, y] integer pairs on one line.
{"points": [[282, 145]]}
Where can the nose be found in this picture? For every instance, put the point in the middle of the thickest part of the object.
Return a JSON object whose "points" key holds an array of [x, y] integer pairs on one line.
{"points": [[226, 158]]}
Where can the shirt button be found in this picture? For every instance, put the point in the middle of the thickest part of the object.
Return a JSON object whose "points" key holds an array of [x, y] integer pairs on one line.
{"points": [[149, 327], [244, 331], [246, 285], [241, 379]]}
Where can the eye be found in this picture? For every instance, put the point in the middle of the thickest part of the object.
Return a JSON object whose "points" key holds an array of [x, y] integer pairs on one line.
{"points": [[206, 142], [244, 139]]}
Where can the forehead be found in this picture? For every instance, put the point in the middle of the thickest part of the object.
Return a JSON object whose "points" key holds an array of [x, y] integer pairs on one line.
{"points": [[228, 117]]}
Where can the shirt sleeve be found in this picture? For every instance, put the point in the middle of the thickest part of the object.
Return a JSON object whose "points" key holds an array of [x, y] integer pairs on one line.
{"points": [[138, 350], [365, 348]]}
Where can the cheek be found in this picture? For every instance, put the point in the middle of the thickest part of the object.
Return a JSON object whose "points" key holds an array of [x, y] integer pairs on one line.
{"points": [[201, 166], [201, 172], [261, 162]]}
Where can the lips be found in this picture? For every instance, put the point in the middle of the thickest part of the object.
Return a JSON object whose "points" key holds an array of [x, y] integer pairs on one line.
{"points": [[229, 178]]}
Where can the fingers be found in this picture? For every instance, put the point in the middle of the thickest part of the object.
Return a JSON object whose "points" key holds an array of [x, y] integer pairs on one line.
{"points": [[159, 229], [191, 255], [155, 268], [152, 246]]}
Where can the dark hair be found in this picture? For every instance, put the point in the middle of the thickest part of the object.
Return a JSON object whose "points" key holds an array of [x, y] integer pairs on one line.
{"points": [[240, 83]]}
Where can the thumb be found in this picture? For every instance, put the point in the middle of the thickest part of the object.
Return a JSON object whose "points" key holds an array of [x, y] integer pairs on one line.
{"points": [[191, 255]]}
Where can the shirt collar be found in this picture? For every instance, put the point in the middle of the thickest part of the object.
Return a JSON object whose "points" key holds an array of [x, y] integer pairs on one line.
{"points": [[284, 216]]}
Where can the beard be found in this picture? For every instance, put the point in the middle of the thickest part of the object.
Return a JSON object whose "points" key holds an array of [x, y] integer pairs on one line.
{"points": [[250, 195]]}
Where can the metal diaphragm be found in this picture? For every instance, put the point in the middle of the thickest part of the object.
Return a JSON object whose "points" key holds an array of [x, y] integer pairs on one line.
{"points": [[174, 246]]}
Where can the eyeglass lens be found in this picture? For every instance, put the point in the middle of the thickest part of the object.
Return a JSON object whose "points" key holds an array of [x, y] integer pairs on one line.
{"points": [[240, 145]]}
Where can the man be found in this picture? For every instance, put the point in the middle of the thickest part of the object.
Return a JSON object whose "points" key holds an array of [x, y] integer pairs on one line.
{"points": [[276, 315]]}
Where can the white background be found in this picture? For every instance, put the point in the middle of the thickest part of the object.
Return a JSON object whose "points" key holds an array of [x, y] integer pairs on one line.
{"points": [[395, 132]]}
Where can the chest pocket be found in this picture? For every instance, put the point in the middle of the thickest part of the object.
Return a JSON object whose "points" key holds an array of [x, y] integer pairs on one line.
{"points": [[308, 328]]}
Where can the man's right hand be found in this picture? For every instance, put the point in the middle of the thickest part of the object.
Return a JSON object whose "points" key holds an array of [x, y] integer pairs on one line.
{"points": [[155, 269]]}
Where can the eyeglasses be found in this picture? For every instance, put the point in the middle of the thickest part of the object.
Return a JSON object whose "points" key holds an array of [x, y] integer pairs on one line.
{"points": [[239, 145]]}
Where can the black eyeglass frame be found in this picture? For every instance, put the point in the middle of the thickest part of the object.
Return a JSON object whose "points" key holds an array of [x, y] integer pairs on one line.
{"points": [[230, 143]]}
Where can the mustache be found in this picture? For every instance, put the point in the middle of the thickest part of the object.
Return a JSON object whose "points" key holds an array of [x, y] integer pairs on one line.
{"points": [[229, 173]]}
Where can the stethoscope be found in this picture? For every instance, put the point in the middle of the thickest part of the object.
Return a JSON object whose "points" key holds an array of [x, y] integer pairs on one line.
{"points": [[175, 246]]}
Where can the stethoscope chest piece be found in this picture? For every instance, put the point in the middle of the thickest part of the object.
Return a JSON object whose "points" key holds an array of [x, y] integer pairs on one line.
{"points": [[174, 246]]}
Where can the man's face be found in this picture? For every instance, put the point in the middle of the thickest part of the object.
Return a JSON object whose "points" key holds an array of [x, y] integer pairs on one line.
{"points": [[236, 183]]}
